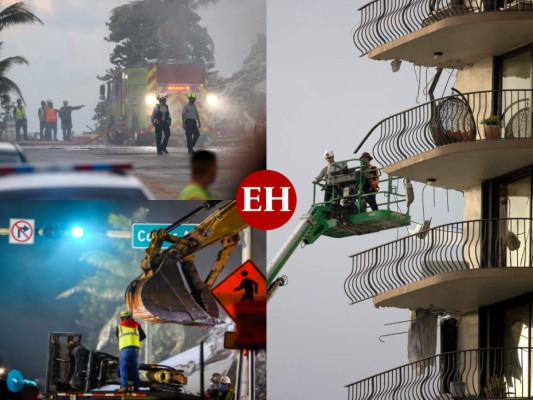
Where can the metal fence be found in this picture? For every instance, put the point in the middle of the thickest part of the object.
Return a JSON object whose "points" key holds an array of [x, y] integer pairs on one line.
{"points": [[493, 373], [383, 21], [484, 115], [489, 243]]}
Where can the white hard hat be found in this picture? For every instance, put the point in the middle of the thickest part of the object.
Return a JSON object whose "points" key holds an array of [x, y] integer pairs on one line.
{"points": [[328, 153], [162, 96], [225, 380]]}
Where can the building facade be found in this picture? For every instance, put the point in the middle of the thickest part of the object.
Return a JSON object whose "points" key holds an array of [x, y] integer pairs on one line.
{"points": [[469, 282]]}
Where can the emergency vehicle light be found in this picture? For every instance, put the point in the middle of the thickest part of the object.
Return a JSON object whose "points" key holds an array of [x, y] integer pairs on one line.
{"points": [[21, 169], [179, 88]]}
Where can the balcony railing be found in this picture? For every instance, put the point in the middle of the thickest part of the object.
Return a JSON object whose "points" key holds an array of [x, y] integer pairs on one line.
{"points": [[383, 21], [452, 119], [494, 373], [489, 243]]}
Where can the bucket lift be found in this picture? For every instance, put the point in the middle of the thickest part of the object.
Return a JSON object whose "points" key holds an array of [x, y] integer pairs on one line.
{"points": [[344, 214], [160, 293]]}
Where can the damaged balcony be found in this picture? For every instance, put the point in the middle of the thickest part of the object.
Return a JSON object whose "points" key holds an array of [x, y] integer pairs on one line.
{"points": [[414, 30], [482, 262], [458, 140], [492, 373]]}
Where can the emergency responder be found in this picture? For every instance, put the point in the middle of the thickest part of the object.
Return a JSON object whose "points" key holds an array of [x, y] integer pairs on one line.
{"points": [[130, 335], [212, 390], [370, 180], [65, 114], [326, 174], [191, 122], [21, 121], [50, 119], [204, 173], [41, 113], [161, 121], [225, 392]]}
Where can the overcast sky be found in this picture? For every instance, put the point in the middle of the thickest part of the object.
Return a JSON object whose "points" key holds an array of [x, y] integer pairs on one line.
{"points": [[68, 51], [322, 95]]}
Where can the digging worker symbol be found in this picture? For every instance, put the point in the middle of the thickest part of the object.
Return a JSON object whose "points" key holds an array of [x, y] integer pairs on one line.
{"points": [[249, 286]]}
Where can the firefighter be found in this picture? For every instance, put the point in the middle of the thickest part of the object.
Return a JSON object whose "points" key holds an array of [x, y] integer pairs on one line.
{"points": [[191, 122], [21, 121], [326, 174], [204, 173], [161, 121], [130, 335], [50, 119], [65, 114], [370, 180]]}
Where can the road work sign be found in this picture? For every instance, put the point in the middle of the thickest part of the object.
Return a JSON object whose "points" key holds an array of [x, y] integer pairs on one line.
{"points": [[21, 231], [140, 233]]}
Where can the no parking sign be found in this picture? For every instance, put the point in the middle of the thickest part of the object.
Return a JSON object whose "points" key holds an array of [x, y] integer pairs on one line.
{"points": [[21, 231]]}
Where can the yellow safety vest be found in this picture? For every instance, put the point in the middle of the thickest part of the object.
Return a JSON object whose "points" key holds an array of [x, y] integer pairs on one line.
{"points": [[128, 337], [195, 192], [20, 113]]}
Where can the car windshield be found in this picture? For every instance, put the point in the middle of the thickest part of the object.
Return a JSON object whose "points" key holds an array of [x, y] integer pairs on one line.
{"points": [[73, 193]]}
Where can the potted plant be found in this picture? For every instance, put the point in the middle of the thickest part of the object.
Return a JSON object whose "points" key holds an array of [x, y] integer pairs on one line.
{"points": [[492, 127], [496, 388]]}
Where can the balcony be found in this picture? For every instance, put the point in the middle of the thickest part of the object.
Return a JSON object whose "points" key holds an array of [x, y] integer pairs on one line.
{"points": [[446, 139], [457, 267], [467, 374], [414, 30]]}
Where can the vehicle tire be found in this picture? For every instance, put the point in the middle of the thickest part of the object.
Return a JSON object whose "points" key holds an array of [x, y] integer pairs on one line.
{"points": [[115, 137]]}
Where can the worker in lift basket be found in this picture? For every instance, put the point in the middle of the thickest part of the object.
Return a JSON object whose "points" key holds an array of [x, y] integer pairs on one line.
{"points": [[326, 174], [130, 335], [224, 390], [370, 180]]}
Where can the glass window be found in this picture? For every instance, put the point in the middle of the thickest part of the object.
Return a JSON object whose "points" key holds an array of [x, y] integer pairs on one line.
{"points": [[516, 358]]}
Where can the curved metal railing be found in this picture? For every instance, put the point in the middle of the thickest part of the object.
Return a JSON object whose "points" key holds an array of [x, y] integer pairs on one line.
{"points": [[491, 373], [456, 118], [383, 21], [488, 243]]}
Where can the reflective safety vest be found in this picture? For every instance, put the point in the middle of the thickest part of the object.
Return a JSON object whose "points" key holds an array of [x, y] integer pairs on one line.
{"points": [[195, 192], [50, 115], [374, 180], [20, 113], [128, 337]]}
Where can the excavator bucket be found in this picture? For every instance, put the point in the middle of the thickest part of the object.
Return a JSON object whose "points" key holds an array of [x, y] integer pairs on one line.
{"points": [[164, 297]]}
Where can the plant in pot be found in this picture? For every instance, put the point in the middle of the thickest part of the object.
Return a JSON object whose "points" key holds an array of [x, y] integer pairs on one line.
{"points": [[492, 126], [496, 388]]}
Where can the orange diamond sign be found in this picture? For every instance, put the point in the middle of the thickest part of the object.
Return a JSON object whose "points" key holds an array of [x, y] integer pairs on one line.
{"points": [[246, 284]]}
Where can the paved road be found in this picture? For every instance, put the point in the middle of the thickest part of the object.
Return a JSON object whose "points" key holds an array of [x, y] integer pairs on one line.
{"points": [[164, 175]]}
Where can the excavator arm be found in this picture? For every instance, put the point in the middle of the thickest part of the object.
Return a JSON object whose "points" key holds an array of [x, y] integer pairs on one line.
{"points": [[170, 288]]}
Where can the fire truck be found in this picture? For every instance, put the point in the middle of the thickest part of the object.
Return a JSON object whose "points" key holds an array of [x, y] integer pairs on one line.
{"points": [[132, 95]]}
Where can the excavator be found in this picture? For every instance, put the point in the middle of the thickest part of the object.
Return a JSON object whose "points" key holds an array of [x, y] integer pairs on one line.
{"points": [[344, 214], [160, 294]]}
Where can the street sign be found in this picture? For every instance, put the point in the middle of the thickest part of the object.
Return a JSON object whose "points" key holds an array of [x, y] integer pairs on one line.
{"points": [[140, 233], [246, 284], [21, 231]]}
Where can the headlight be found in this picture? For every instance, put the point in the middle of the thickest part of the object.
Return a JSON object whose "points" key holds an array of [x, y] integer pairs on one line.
{"points": [[150, 99], [212, 100]]}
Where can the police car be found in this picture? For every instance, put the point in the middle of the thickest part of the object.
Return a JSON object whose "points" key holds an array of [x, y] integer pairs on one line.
{"points": [[11, 153], [71, 182]]}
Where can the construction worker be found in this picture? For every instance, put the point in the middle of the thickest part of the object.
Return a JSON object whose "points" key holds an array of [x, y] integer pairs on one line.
{"points": [[41, 113], [191, 122], [161, 121], [225, 392], [65, 114], [326, 174], [204, 173], [370, 180], [21, 121], [212, 390], [50, 119], [130, 335]]}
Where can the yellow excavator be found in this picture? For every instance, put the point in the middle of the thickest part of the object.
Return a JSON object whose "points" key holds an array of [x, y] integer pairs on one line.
{"points": [[160, 294]]}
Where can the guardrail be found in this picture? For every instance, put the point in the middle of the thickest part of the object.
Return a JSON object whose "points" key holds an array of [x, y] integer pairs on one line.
{"points": [[484, 115], [488, 243], [383, 21], [492, 373]]}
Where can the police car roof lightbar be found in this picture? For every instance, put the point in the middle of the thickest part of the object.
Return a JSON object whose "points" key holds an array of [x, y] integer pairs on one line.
{"points": [[36, 168]]}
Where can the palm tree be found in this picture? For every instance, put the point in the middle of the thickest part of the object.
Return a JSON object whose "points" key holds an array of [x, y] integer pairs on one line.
{"points": [[15, 14]]}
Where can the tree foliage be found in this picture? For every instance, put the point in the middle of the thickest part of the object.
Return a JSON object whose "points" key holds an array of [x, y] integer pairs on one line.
{"points": [[158, 29]]}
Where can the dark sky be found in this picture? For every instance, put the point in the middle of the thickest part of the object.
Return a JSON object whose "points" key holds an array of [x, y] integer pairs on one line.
{"points": [[31, 276]]}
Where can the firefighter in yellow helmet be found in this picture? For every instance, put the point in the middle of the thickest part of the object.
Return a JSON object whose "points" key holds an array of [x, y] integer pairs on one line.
{"points": [[130, 335]]}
